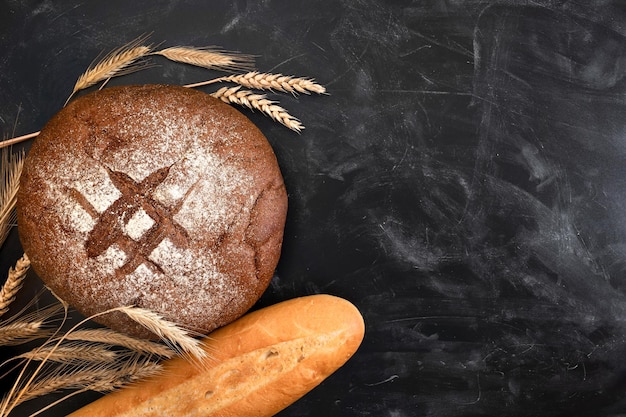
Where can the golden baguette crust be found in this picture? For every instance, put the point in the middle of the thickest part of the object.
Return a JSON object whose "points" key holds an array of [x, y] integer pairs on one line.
{"points": [[259, 364]]}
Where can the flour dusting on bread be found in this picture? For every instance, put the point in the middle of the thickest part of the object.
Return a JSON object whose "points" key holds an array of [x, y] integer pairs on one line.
{"points": [[152, 204]]}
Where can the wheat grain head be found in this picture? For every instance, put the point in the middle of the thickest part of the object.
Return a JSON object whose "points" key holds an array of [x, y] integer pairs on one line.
{"points": [[258, 102], [208, 57], [121, 61], [14, 282], [175, 336], [113, 338], [72, 352], [11, 164], [276, 82]]}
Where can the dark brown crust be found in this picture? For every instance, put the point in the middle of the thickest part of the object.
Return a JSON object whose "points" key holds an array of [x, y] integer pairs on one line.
{"points": [[67, 224]]}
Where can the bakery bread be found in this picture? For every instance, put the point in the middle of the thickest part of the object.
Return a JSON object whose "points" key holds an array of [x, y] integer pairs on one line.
{"points": [[259, 364], [161, 197]]}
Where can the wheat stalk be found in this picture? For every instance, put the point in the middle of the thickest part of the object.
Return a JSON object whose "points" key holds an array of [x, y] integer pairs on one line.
{"points": [[11, 165], [14, 282], [175, 336], [208, 57], [20, 332], [55, 381], [118, 62], [111, 337], [258, 102], [275, 82], [10, 142], [40, 381], [132, 372], [24, 327], [124, 60], [94, 377], [73, 352]]}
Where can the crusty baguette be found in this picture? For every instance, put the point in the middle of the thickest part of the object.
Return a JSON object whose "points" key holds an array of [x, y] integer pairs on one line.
{"points": [[259, 364]]}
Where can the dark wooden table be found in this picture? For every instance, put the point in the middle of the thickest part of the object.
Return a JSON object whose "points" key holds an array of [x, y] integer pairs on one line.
{"points": [[462, 183]]}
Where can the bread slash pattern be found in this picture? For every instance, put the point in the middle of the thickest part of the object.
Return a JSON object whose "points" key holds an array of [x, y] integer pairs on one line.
{"points": [[135, 222]]}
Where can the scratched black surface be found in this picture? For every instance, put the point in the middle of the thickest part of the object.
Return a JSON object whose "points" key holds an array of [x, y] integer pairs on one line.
{"points": [[463, 183]]}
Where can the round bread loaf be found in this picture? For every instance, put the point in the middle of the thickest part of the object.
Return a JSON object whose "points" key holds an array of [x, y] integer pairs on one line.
{"points": [[160, 197]]}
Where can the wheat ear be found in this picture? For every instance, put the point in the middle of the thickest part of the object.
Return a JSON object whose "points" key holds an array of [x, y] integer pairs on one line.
{"points": [[24, 327], [275, 82], [176, 337], [130, 370], [11, 165], [95, 377], [14, 282], [68, 378], [20, 332], [111, 337], [208, 57], [102, 380], [258, 102], [121, 61], [73, 352], [23, 385]]}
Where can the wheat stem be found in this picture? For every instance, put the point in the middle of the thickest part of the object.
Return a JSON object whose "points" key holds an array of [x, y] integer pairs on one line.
{"points": [[167, 330], [58, 401], [258, 102], [9, 142], [255, 80]]}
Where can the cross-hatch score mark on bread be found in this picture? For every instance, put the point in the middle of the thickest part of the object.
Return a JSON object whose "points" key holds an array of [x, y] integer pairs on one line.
{"points": [[136, 222]]}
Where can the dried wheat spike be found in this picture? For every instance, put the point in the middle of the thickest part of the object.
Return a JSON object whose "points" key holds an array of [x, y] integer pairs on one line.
{"points": [[13, 283], [258, 102], [276, 82], [130, 371], [19, 332], [73, 352], [121, 61], [24, 327], [175, 336], [208, 57], [11, 165], [103, 381], [95, 377], [113, 338]]}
